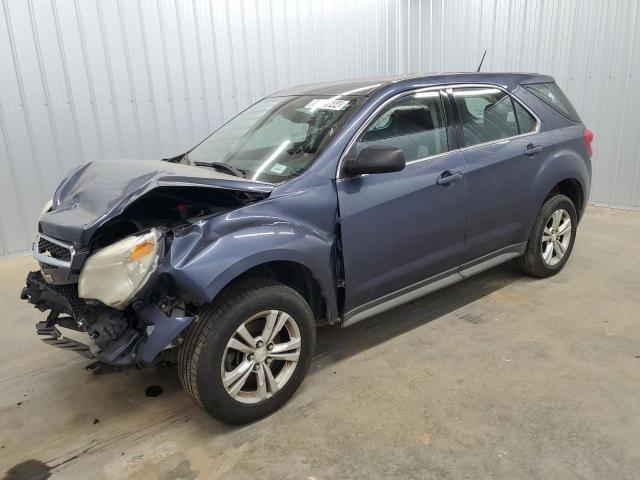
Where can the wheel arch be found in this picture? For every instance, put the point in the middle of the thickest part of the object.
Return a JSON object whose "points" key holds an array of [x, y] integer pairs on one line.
{"points": [[563, 171], [295, 275], [572, 188], [568, 185]]}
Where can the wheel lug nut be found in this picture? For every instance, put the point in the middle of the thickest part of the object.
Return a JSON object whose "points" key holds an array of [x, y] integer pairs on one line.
{"points": [[256, 367], [250, 356], [259, 344], [268, 361], [270, 347]]}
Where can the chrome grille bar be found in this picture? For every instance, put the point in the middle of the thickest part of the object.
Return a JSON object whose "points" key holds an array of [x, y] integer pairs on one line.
{"points": [[41, 254]]}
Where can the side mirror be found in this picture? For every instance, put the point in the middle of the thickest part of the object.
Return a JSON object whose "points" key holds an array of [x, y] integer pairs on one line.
{"points": [[375, 159]]}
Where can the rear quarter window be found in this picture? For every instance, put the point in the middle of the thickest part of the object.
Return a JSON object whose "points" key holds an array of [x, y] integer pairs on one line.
{"points": [[526, 122], [551, 94]]}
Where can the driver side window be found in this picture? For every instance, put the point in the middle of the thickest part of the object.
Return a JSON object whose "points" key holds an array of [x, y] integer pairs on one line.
{"points": [[414, 123]]}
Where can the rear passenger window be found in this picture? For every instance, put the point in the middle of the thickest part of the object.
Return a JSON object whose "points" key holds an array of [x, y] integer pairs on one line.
{"points": [[551, 94], [487, 114], [415, 124]]}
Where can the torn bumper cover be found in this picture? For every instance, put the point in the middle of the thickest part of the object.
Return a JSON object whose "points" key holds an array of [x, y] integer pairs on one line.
{"points": [[103, 238], [135, 335]]}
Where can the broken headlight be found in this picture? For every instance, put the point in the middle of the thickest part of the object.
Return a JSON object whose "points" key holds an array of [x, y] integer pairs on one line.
{"points": [[116, 273]]}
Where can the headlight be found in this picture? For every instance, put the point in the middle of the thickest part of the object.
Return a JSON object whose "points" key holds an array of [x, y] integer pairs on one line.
{"points": [[47, 207], [116, 273]]}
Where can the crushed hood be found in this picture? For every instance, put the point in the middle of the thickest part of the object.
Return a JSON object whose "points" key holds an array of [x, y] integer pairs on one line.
{"points": [[99, 191]]}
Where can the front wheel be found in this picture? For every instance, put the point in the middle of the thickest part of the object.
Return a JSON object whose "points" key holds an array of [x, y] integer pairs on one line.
{"points": [[248, 352], [552, 237]]}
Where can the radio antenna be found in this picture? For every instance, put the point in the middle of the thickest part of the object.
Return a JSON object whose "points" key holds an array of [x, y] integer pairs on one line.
{"points": [[480, 66]]}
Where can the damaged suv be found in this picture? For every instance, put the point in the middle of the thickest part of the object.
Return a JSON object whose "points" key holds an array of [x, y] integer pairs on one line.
{"points": [[321, 204]]}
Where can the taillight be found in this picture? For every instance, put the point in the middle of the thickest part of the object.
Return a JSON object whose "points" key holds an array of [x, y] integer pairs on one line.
{"points": [[587, 135]]}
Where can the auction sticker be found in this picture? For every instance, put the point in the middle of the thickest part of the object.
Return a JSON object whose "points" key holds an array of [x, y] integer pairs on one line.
{"points": [[327, 104], [278, 168]]}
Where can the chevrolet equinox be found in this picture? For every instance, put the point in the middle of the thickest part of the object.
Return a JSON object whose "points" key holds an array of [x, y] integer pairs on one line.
{"points": [[320, 204]]}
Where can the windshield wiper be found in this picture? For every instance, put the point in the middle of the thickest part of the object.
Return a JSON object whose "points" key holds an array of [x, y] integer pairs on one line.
{"points": [[225, 167]]}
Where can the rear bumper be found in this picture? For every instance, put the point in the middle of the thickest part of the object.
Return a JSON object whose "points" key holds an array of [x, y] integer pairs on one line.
{"points": [[136, 335]]}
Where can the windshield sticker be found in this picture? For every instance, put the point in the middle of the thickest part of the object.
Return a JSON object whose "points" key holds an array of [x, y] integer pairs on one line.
{"points": [[327, 104], [278, 168]]}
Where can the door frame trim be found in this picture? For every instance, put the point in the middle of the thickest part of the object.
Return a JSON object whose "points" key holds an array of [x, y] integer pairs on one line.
{"points": [[431, 284], [458, 120], [444, 89]]}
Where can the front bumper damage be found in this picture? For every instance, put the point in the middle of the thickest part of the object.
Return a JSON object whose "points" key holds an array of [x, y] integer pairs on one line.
{"points": [[136, 335], [101, 203]]}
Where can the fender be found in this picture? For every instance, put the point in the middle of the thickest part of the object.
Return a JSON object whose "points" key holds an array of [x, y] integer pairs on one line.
{"points": [[563, 163], [207, 256]]}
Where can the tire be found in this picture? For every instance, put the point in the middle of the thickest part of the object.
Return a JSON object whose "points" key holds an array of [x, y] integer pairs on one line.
{"points": [[205, 355], [536, 260]]}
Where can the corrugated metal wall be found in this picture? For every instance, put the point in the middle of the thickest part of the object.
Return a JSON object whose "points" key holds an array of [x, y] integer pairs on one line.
{"points": [[92, 79]]}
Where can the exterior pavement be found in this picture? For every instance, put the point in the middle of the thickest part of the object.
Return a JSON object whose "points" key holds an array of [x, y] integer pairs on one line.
{"points": [[500, 376]]}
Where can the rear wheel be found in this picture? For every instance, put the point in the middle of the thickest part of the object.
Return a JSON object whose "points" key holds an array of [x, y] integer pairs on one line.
{"points": [[551, 240], [248, 352]]}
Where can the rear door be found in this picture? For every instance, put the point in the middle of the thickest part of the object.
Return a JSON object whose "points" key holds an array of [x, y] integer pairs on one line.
{"points": [[400, 228], [501, 149]]}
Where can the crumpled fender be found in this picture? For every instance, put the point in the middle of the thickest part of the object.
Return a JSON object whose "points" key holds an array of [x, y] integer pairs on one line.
{"points": [[204, 257]]}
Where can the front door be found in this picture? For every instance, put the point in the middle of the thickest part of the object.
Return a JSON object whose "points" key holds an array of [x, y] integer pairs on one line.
{"points": [[401, 228]]}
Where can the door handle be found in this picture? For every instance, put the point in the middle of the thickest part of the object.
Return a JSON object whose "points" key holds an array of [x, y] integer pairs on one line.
{"points": [[532, 149], [448, 177]]}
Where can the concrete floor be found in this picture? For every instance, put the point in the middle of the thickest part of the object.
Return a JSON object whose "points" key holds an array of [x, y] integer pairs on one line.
{"points": [[501, 376]]}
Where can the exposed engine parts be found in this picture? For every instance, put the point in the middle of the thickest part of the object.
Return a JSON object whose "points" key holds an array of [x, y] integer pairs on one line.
{"points": [[111, 335]]}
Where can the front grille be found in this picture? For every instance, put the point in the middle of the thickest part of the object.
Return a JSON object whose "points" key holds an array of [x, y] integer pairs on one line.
{"points": [[53, 252], [53, 249], [69, 292]]}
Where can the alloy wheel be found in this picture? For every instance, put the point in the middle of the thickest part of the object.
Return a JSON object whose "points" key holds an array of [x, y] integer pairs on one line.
{"points": [[261, 356], [556, 237]]}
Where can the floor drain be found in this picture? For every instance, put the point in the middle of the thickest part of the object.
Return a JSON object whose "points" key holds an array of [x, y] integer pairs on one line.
{"points": [[153, 391]]}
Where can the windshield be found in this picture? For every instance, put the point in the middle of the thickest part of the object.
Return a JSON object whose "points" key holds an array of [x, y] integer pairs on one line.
{"points": [[277, 138]]}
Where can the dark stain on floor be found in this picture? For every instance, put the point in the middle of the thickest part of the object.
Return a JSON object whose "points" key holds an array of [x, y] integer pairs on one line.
{"points": [[473, 318], [153, 391], [29, 470], [182, 471]]}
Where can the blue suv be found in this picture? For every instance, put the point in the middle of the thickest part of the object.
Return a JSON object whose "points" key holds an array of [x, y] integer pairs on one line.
{"points": [[321, 204]]}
